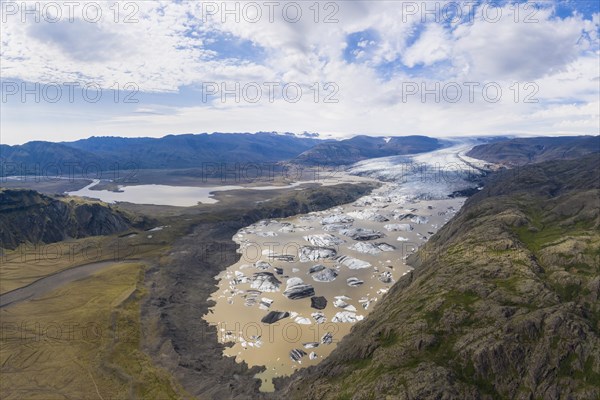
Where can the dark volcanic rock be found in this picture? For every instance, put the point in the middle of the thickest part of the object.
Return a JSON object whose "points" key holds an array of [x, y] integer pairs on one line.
{"points": [[274, 316], [318, 302]]}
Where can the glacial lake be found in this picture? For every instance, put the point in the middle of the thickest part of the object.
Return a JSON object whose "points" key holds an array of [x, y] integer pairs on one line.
{"points": [[181, 196]]}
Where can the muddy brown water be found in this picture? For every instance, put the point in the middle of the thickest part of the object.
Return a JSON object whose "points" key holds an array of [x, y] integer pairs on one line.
{"points": [[270, 345]]}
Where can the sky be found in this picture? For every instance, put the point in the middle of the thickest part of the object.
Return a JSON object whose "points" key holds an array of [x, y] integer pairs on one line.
{"points": [[73, 69]]}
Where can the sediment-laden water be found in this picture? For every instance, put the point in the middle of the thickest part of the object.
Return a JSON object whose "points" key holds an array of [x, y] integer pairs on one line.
{"points": [[302, 282]]}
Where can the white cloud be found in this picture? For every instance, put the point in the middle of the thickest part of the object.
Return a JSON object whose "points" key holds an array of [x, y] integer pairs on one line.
{"points": [[171, 47]]}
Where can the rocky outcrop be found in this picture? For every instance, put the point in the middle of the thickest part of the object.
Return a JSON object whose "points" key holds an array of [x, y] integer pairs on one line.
{"points": [[27, 216]]}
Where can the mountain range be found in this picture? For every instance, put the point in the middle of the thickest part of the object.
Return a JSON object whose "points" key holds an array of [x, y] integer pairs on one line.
{"points": [[193, 151]]}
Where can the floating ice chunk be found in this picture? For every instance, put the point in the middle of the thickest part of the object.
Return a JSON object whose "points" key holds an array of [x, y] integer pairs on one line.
{"points": [[319, 317], [266, 234], [265, 303], [326, 275], [312, 253], [337, 219], [354, 282], [368, 214], [327, 338], [398, 227], [310, 345], [323, 240], [302, 320], [336, 227], [262, 265], [297, 289], [346, 317], [386, 277], [353, 263], [296, 355], [361, 233], [274, 316], [316, 268], [366, 248], [418, 219], [265, 282], [251, 297]]}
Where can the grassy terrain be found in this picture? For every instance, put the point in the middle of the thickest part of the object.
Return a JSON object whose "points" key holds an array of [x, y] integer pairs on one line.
{"points": [[30, 262], [81, 341]]}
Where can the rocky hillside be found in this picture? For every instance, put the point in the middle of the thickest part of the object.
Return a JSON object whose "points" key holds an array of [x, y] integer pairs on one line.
{"points": [[504, 302], [27, 216], [532, 150], [359, 148]]}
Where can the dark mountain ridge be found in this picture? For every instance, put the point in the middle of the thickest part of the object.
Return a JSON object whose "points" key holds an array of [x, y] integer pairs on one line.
{"points": [[169, 152], [522, 151], [361, 147]]}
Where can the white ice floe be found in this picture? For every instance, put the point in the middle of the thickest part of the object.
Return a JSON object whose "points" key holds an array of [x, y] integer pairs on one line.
{"points": [[265, 282], [323, 240], [319, 317], [312, 253], [361, 233], [354, 281], [326, 275], [297, 289], [369, 214], [353, 263], [302, 320], [266, 234], [419, 219], [336, 227], [346, 317], [337, 219], [398, 227], [265, 303], [371, 248], [262, 265]]}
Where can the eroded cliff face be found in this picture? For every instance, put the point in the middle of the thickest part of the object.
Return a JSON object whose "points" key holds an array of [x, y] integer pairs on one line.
{"points": [[27, 216], [504, 302]]}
